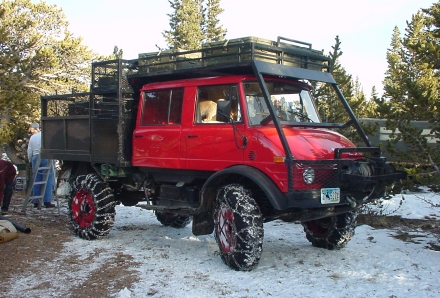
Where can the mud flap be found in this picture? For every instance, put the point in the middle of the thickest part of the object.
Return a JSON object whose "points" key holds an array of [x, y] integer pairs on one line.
{"points": [[203, 224]]}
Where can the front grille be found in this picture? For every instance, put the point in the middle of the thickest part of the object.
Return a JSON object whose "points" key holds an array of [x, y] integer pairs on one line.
{"points": [[326, 174]]}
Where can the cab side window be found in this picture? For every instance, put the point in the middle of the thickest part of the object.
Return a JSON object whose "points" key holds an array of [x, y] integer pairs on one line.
{"points": [[163, 107], [222, 98]]}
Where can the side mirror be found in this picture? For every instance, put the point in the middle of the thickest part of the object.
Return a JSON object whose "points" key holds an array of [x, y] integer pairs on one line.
{"points": [[223, 111]]}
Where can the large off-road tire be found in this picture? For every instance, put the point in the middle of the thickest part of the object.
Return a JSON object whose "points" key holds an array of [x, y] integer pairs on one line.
{"points": [[173, 220], [91, 207], [238, 227], [331, 232]]}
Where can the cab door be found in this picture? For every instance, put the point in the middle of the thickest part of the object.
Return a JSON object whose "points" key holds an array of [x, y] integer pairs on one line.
{"points": [[157, 137], [210, 143]]}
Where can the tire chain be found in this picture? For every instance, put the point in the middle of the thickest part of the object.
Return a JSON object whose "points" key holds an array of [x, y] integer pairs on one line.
{"points": [[340, 235], [251, 235], [103, 222], [174, 221]]}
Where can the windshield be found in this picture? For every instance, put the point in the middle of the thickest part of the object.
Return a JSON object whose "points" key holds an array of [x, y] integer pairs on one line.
{"points": [[292, 102]]}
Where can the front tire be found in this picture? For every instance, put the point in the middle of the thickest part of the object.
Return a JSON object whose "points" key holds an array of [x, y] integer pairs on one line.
{"points": [[331, 232], [173, 220], [91, 207], [238, 227]]}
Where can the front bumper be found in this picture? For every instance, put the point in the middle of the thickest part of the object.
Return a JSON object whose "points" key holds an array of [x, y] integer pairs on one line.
{"points": [[359, 180]]}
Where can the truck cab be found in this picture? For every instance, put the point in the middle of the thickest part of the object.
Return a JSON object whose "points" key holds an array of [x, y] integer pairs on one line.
{"points": [[227, 137]]}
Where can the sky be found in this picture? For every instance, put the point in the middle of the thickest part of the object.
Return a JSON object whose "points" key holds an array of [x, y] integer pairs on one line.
{"points": [[175, 263], [364, 27]]}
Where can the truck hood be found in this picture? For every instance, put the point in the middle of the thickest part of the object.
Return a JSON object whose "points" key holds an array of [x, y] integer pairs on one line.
{"points": [[310, 143]]}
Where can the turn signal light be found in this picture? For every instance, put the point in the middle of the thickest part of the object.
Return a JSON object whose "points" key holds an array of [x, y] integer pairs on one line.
{"points": [[278, 159]]}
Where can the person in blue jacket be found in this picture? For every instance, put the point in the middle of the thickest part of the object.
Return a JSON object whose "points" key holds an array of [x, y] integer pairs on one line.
{"points": [[33, 151]]}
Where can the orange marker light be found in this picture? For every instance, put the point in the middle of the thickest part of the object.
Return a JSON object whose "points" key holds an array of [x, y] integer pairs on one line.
{"points": [[278, 158]]}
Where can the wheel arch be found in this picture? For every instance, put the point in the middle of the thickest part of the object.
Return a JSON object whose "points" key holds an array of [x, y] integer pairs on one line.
{"points": [[77, 168], [203, 221], [252, 176]]}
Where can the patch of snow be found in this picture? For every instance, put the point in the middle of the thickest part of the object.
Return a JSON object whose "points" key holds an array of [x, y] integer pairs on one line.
{"points": [[175, 263]]}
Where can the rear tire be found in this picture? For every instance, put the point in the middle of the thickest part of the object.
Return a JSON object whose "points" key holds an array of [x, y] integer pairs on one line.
{"points": [[91, 207], [173, 220], [331, 232], [238, 227]]}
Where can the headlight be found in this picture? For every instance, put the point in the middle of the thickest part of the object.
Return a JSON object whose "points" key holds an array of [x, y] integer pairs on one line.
{"points": [[309, 175]]}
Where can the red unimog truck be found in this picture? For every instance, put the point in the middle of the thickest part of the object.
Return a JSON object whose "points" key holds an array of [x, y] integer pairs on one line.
{"points": [[227, 137]]}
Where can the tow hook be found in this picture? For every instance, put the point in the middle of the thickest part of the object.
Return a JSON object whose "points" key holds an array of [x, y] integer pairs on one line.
{"points": [[351, 201]]}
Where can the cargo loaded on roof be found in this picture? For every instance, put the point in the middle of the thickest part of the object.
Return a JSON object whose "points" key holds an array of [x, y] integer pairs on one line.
{"points": [[227, 136]]}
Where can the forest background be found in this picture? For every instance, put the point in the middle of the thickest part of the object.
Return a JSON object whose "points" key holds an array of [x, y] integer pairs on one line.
{"points": [[40, 56]]}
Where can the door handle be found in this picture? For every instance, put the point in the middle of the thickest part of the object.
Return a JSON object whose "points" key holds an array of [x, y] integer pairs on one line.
{"points": [[192, 136], [138, 136]]}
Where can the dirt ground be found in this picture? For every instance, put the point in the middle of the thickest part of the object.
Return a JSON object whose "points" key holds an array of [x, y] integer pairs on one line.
{"points": [[50, 229]]}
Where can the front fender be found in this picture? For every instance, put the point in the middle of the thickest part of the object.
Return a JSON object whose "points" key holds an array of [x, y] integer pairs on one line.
{"points": [[203, 222], [273, 193]]}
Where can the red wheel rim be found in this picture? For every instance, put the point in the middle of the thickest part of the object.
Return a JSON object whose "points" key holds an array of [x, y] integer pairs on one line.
{"points": [[225, 229], [83, 209], [169, 215], [320, 227]]}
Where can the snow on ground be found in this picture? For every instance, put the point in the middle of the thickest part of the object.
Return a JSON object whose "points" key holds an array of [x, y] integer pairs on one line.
{"points": [[175, 263]]}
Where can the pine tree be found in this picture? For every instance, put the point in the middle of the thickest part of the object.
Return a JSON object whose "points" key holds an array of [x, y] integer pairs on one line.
{"points": [[372, 104], [411, 93], [213, 30], [171, 35], [38, 56], [329, 106], [186, 22], [117, 53], [362, 107], [428, 49], [393, 77], [192, 23]]}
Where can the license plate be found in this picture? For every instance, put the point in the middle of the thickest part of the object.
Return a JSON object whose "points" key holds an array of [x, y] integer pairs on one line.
{"points": [[330, 195]]}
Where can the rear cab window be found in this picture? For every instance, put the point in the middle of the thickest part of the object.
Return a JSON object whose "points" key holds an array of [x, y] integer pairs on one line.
{"points": [[162, 107]]}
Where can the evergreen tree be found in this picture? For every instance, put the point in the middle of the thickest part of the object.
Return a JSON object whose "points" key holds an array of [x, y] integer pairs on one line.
{"points": [[362, 107], [428, 49], [213, 30], [186, 24], [393, 76], [171, 35], [372, 104], [411, 93], [193, 22], [38, 57], [329, 106], [117, 54]]}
